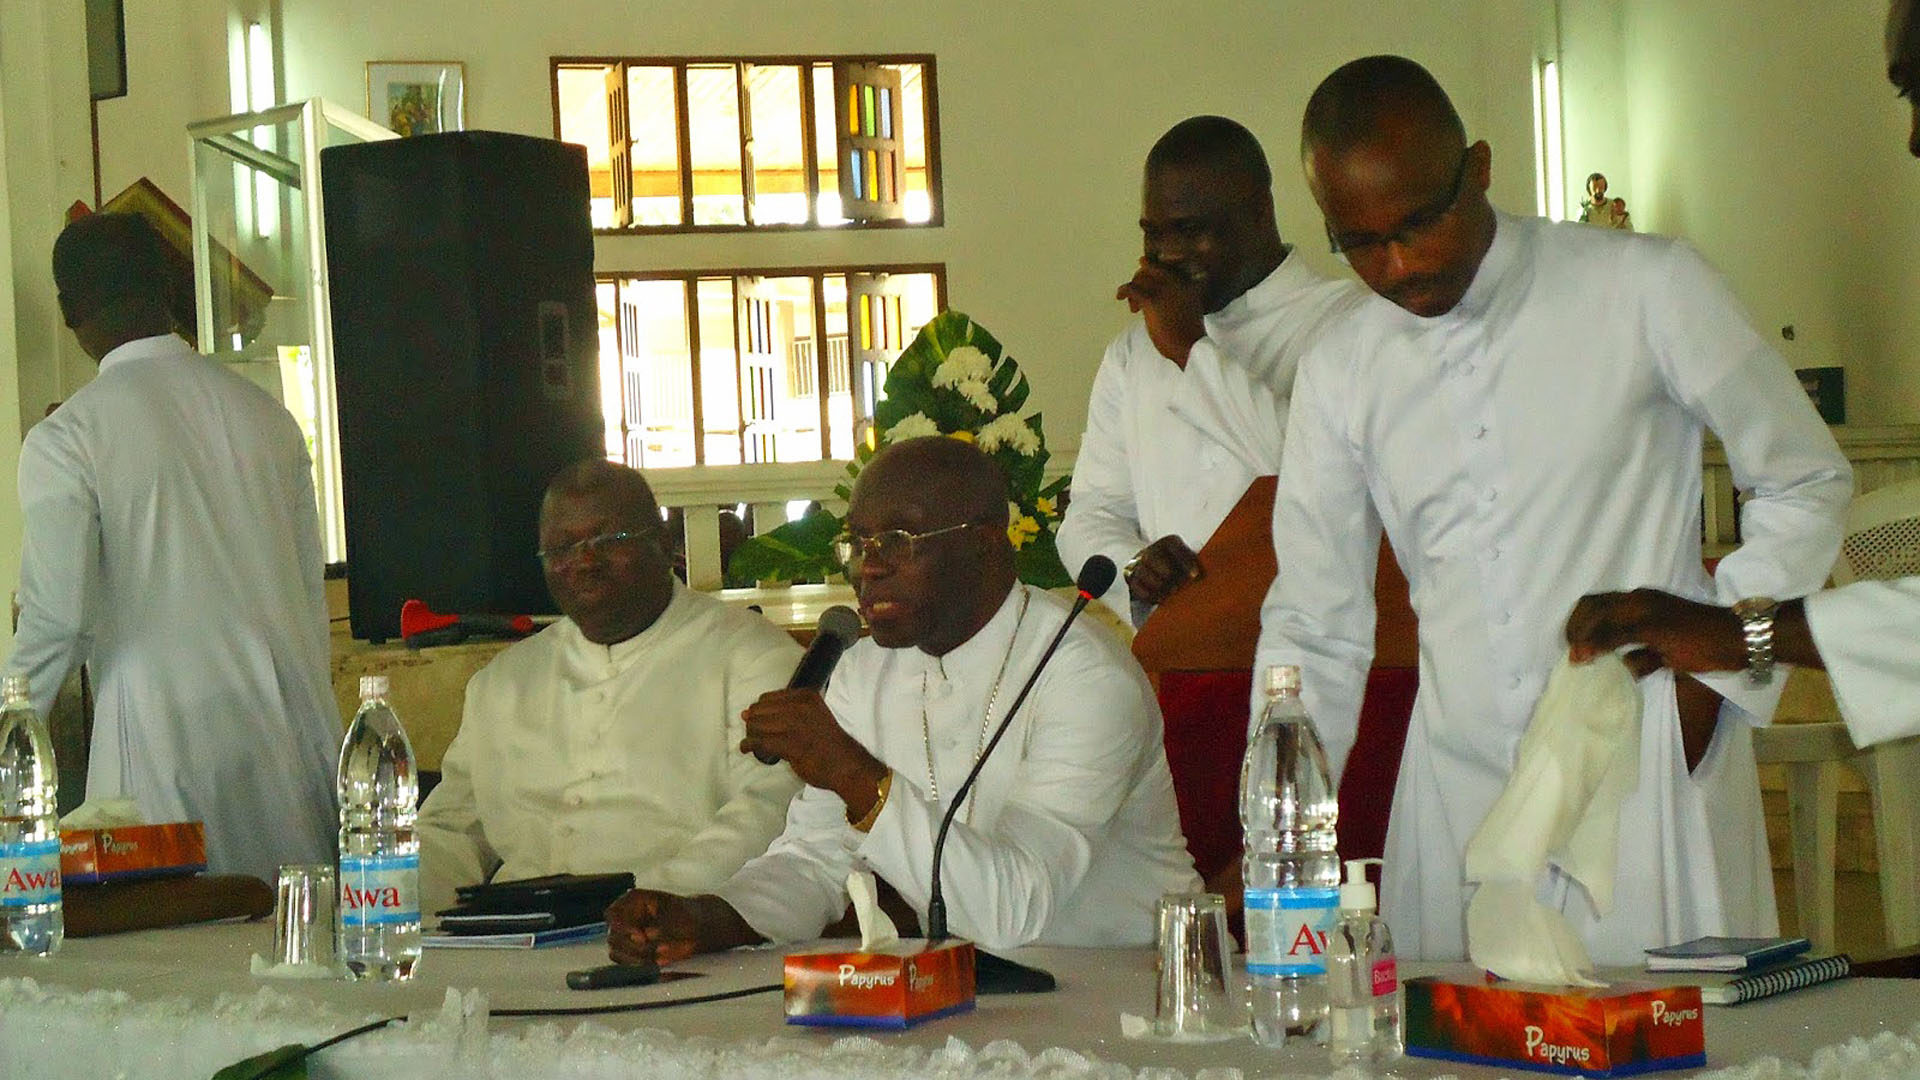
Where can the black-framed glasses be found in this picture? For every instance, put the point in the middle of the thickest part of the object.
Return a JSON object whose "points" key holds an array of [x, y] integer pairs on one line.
{"points": [[596, 545], [1411, 227], [892, 547]]}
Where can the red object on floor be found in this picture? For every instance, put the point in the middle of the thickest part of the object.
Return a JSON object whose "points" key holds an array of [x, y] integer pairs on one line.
{"points": [[1206, 736]]}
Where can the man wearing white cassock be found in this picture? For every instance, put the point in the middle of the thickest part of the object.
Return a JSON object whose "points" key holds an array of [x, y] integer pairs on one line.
{"points": [[1070, 835], [1866, 634], [1189, 405], [172, 541], [1522, 444]]}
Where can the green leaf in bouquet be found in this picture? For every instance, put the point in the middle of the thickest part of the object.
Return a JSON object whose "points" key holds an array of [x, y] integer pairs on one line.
{"points": [[797, 551], [1039, 563], [1009, 386]]}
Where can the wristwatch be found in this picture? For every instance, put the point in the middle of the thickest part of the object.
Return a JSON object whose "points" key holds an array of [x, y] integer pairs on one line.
{"points": [[1756, 625], [1126, 572]]}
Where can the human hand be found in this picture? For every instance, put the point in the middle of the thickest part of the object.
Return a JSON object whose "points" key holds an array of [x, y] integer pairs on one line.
{"points": [[648, 925], [797, 726], [1172, 305], [1672, 632], [1161, 568]]}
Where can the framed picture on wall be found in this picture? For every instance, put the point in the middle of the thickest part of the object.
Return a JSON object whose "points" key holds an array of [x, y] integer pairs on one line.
{"points": [[417, 97]]}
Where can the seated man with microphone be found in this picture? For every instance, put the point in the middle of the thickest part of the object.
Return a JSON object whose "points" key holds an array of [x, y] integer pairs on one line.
{"points": [[607, 742], [1070, 835]]}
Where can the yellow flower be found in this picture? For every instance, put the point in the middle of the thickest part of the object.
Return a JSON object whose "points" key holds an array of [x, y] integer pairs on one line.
{"points": [[1022, 529], [1045, 506], [963, 436]]}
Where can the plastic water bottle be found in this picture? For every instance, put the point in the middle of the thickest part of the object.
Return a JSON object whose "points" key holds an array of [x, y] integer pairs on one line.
{"points": [[1288, 809], [29, 828], [1363, 978], [379, 908]]}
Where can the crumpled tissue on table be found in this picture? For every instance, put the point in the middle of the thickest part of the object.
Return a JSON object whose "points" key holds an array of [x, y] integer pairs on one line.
{"points": [[1578, 761]]}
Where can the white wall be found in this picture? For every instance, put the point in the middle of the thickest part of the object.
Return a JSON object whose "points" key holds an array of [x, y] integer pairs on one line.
{"points": [[1766, 133], [1046, 112], [1761, 129]]}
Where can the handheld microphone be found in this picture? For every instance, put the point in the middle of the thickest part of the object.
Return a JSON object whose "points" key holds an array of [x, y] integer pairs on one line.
{"points": [[839, 627], [1095, 577]]}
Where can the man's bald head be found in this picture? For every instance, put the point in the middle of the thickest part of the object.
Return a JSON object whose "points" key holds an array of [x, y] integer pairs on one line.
{"points": [[935, 591], [1363, 100], [948, 480], [1403, 195], [1216, 143], [610, 484], [112, 275], [1206, 209]]}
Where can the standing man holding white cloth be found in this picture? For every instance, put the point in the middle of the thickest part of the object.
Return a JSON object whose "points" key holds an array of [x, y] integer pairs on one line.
{"points": [[1189, 405], [1522, 411]]}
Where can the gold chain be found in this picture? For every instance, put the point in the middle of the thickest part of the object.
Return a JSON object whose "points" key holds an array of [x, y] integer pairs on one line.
{"points": [[986, 722]]}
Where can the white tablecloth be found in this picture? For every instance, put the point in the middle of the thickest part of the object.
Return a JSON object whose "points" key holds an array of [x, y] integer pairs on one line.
{"points": [[180, 1003]]}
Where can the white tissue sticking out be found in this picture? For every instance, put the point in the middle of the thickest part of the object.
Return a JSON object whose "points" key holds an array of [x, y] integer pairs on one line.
{"points": [[876, 930], [104, 814], [1578, 761]]}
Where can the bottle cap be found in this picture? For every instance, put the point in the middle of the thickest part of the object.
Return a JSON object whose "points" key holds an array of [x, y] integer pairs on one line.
{"points": [[373, 686], [13, 686], [1357, 893], [1280, 678]]}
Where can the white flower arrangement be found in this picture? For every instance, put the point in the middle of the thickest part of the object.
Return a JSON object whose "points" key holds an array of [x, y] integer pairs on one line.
{"points": [[1009, 431], [912, 427], [954, 380]]}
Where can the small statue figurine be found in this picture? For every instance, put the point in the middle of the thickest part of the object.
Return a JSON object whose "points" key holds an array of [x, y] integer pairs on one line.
{"points": [[1597, 209]]}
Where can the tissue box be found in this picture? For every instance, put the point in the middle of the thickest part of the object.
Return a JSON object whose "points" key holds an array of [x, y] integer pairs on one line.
{"points": [[1617, 1030], [896, 986], [175, 849]]}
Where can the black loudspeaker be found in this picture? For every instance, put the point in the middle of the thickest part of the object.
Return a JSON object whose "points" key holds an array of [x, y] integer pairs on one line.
{"points": [[466, 345]]}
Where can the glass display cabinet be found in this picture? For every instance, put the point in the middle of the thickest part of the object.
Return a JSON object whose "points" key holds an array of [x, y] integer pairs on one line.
{"points": [[260, 266]]}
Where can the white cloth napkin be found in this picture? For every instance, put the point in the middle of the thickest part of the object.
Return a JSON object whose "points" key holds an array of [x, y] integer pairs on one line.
{"points": [[876, 929], [1578, 761]]}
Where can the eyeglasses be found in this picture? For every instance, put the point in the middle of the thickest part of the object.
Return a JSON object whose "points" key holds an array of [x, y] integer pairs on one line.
{"points": [[596, 545], [1411, 227], [892, 547]]}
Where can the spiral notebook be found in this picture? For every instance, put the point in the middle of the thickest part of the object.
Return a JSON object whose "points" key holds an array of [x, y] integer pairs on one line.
{"points": [[1780, 979]]}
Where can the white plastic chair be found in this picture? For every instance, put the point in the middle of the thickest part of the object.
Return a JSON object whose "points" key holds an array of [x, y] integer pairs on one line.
{"points": [[1882, 541]]}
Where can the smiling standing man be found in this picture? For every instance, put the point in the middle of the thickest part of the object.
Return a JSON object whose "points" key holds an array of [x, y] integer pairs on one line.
{"points": [[1070, 834], [606, 741], [1523, 444], [1190, 404]]}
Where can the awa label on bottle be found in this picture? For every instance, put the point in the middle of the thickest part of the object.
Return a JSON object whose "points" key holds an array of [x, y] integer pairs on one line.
{"points": [[1287, 930], [379, 890], [30, 873]]}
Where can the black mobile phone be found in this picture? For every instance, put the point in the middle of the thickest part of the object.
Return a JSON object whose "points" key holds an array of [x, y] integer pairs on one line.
{"points": [[608, 976]]}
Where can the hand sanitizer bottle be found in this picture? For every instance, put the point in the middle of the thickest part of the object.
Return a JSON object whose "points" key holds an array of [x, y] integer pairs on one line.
{"points": [[1363, 981]]}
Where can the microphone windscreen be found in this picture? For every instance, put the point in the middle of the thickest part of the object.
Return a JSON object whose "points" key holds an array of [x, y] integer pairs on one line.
{"points": [[840, 621], [1096, 575]]}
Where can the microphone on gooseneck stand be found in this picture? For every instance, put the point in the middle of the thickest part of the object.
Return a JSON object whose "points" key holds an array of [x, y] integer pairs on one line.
{"points": [[839, 628], [997, 974]]}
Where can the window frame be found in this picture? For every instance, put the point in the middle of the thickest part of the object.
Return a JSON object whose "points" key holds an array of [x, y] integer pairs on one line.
{"points": [[823, 382], [930, 114]]}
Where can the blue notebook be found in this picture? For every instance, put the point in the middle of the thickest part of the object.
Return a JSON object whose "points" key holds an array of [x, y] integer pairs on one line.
{"points": [[1725, 953]]}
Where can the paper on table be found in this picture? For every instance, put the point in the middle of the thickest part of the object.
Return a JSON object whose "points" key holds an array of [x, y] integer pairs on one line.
{"points": [[1578, 761], [876, 929]]}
